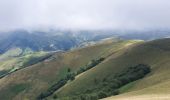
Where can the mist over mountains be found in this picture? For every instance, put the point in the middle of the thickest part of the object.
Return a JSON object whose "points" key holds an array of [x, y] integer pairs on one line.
{"points": [[47, 41], [54, 40]]}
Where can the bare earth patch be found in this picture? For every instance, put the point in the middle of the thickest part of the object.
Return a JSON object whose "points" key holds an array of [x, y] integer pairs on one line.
{"points": [[142, 97]]}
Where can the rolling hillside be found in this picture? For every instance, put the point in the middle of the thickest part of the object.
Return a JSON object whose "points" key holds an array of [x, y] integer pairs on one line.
{"points": [[154, 53], [156, 85], [15, 59], [29, 82], [119, 56]]}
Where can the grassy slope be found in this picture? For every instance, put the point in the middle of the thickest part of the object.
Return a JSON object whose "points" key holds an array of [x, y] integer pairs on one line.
{"points": [[154, 53], [15, 59], [159, 91], [86, 80], [156, 85], [39, 77]]}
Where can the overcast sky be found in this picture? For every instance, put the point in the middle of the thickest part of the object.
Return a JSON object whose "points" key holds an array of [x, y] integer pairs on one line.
{"points": [[84, 14]]}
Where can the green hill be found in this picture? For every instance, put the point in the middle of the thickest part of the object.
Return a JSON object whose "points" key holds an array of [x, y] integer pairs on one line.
{"points": [[16, 58], [137, 68], [36, 79], [153, 53], [156, 85]]}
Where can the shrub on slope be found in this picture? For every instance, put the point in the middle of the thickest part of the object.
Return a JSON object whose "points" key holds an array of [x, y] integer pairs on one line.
{"points": [[111, 86]]}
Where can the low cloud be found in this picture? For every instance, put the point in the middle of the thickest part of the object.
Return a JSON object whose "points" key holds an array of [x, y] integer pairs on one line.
{"points": [[84, 14]]}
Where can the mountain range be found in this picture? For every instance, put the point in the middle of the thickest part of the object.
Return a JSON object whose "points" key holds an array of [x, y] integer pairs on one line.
{"points": [[54, 40]]}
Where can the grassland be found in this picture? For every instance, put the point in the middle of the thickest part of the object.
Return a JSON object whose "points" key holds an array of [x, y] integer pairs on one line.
{"points": [[154, 53], [118, 56], [156, 85], [16, 59], [41, 76]]}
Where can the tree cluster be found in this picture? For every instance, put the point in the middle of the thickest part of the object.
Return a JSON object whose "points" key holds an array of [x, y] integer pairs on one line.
{"points": [[69, 76], [110, 86]]}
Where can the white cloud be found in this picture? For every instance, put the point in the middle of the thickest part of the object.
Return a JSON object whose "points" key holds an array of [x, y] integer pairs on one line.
{"points": [[85, 14]]}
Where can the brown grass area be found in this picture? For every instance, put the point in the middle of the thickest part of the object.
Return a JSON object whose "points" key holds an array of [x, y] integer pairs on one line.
{"points": [[42, 75], [154, 53]]}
